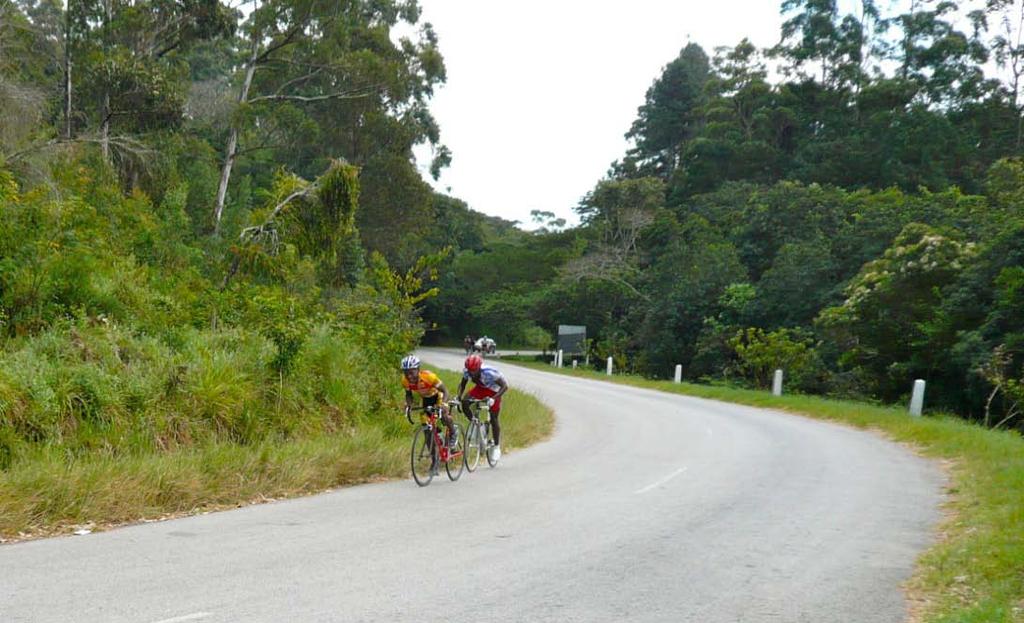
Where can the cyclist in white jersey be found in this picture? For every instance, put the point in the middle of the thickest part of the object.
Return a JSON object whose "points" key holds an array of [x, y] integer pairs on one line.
{"points": [[488, 384]]}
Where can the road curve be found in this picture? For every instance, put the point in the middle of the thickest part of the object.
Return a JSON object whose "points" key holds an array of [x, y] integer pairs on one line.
{"points": [[644, 506]]}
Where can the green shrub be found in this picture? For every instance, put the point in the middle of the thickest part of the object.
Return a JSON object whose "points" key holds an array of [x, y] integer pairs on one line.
{"points": [[760, 353]]}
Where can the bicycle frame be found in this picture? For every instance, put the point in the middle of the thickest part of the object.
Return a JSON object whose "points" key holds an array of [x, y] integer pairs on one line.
{"points": [[474, 410], [428, 423], [481, 424]]}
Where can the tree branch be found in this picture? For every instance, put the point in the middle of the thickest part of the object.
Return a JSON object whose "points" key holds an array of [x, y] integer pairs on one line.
{"points": [[304, 78], [256, 232], [302, 192], [601, 266], [277, 46], [126, 143], [341, 95], [1014, 412], [299, 27], [168, 49], [249, 150]]}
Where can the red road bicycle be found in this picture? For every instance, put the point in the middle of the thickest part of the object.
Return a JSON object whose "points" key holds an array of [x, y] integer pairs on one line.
{"points": [[430, 448]]}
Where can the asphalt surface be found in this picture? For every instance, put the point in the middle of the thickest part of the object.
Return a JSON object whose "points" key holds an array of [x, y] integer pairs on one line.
{"points": [[642, 507]]}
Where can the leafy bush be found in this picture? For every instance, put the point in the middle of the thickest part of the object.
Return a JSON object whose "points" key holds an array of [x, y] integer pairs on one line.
{"points": [[760, 353], [122, 336]]}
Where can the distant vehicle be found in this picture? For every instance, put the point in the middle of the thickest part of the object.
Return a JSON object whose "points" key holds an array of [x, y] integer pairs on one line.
{"points": [[485, 345]]}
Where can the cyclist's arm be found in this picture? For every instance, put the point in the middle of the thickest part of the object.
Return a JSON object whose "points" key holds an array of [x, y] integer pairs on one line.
{"points": [[408, 399], [502, 386], [444, 391], [462, 388]]}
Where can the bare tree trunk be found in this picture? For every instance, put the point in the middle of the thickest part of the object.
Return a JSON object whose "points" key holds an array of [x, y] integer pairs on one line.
{"points": [[232, 146], [105, 110], [225, 176], [67, 74], [988, 404], [105, 128], [1013, 40]]}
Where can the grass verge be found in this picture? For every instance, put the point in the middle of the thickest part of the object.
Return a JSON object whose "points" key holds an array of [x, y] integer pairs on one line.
{"points": [[45, 494], [975, 573]]}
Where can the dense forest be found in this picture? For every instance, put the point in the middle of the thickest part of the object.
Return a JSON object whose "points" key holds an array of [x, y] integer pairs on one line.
{"points": [[213, 227], [847, 205]]}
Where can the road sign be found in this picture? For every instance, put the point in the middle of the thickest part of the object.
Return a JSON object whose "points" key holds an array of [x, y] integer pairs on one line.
{"points": [[572, 339]]}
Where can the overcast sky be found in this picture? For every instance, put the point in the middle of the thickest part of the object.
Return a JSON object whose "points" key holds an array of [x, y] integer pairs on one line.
{"points": [[540, 92]]}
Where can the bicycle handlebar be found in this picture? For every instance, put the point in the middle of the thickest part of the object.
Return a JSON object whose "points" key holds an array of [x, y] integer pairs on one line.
{"points": [[435, 409]]}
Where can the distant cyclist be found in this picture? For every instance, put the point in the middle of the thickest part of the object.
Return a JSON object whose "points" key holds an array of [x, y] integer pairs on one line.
{"points": [[488, 384], [430, 388]]}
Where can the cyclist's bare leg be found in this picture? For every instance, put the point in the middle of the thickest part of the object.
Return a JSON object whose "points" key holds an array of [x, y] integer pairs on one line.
{"points": [[496, 427], [467, 408], [447, 418]]}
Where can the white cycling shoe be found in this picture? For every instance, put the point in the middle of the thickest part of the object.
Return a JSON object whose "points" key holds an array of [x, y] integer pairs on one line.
{"points": [[495, 453]]}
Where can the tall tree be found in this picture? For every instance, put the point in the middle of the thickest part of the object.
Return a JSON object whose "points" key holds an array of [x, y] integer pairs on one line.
{"points": [[745, 133], [815, 34], [671, 113], [941, 59], [328, 68]]}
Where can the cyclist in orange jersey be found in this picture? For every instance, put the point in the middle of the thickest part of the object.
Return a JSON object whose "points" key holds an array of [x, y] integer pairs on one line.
{"points": [[429, 387]]}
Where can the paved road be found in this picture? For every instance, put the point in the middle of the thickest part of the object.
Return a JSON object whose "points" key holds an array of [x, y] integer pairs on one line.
{"points": [[643, 507]]}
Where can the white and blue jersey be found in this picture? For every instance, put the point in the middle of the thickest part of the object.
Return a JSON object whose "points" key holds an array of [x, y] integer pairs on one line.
{"points": [[489, 377]]}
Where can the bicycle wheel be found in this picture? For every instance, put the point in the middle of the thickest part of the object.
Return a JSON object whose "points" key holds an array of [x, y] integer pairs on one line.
{"points": [[474, 446], [454, 464], [423, 457], [488, 446]]}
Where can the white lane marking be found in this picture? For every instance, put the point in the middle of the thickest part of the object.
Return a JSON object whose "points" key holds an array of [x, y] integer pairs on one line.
{"points": [[195, 616], [662, 481]]}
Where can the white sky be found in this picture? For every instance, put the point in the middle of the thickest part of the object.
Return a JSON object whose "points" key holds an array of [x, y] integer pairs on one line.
{"points": [[540, 92]]}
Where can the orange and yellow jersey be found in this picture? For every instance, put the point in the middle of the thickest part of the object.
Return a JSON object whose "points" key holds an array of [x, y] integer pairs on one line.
{"points": [[427, 385]]}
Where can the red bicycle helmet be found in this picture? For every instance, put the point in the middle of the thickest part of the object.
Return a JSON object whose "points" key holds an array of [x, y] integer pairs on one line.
{"points": [[474, 363]]}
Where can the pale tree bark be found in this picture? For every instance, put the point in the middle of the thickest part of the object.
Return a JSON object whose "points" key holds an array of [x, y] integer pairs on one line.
{"points": [[266, 230], [232, 147], [1017, 70], [257, 56], [67, 74], [105, 128], [105, 111]]}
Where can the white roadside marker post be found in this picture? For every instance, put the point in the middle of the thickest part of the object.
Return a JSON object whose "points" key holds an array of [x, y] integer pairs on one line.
{"points": [[559, 357], [609, 366], [678, 378], [574, 362], [917, 398], [777, 383]]}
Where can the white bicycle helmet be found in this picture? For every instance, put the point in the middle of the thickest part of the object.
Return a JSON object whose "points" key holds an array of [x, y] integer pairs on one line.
{"points": [[411, 362]]}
